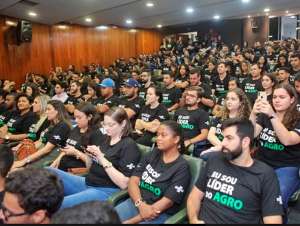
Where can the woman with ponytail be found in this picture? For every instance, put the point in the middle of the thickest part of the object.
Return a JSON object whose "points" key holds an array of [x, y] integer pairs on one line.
{"points": [[158, 185]]}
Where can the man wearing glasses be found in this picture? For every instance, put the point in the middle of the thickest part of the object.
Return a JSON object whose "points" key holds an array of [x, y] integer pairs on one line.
{"points": [[193, 120], [31, 196]]}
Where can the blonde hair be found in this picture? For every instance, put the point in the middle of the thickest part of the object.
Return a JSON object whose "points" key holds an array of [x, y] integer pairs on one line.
{"points": [[44, 99]]}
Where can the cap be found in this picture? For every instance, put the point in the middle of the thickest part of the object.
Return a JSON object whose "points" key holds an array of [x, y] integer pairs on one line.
{"points": [[132, 83], [107, 83]]}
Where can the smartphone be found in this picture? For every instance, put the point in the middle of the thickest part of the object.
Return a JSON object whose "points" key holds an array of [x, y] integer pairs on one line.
{"points": [[262, 96]]}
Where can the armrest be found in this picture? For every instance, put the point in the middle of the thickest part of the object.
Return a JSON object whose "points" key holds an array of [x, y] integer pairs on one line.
{"points": [[115, 198], [191, 149], [178, 218]]}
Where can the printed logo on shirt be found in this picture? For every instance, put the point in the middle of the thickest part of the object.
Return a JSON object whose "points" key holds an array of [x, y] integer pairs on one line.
{"points": [[268, 140], [179, 189], [224, 186], [72, 142], [57, 137], [250, 88], [148, 178], [131, 166], [165, 99], [279, 200], [183, 121], [145, 117], [137, 106]]}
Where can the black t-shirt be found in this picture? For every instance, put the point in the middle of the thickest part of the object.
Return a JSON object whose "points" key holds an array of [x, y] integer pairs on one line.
{"points": [[159, 179], [110, 102], [79, 141], [5, 116], [293, 76], [72, 100], [217, 123], [251, 88], [170, 96], [34, 134], [143, 91], [272, 151], [242, 78], [220, 86], [56, 134], [207, 94], [20, 124], [192, 122], [238, 195], [124, 156], [135, 105]]}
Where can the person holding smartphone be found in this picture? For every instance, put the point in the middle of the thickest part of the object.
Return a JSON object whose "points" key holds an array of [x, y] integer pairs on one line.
{"points": [[114, 160], [278, 132]]}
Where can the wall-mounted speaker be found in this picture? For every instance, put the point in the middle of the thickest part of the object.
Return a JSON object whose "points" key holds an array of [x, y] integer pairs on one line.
{"points": [[24, 31]]}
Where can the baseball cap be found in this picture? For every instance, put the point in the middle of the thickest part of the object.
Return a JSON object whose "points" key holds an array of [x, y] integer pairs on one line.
{"points": [[107, 83], [132, 83]]}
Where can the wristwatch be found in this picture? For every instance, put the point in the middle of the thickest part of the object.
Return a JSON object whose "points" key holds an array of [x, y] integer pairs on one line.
{"points": [[138, 202]]}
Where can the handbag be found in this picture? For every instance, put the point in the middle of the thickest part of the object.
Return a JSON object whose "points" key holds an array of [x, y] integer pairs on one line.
{"points": [[26, 149]]}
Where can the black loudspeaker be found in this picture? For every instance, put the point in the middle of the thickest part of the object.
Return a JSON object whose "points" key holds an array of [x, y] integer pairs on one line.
{"points": [[24, 31]]}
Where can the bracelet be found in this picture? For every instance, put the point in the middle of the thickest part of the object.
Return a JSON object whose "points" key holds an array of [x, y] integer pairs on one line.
{"points": [[109, 165], [138, 202]]}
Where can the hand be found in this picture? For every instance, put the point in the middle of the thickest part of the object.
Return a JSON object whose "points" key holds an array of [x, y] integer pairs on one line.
{"points": [[197, 221], [266, 108], [95, 151], [148, 212], [212, 149], [187, 143], [16, 148], [69, 150], [256, 107], [18, 164]]}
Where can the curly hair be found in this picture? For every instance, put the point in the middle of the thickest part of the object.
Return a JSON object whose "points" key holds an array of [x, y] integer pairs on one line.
{"points": [[245, 106], [37, 189]]}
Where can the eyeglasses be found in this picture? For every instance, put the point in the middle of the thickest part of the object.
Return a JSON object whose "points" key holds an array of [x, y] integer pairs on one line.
{"points": [[8, 213]]}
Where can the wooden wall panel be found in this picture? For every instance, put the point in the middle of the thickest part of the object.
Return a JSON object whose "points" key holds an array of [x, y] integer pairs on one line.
{"points": [[17, 60], [53, 46]]}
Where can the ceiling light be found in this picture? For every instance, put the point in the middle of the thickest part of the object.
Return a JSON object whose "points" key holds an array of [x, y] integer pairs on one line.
{"points": [[89, 20], [150, 4], [217, 17], [272, 17], [10, 23], [292, 17], [133, 30], [287, 12], [189, 10], [249, 16], [159, 26], [266, 10], [32, 14], [245, 1], [62, 27], [102, 27], [129, 21]]}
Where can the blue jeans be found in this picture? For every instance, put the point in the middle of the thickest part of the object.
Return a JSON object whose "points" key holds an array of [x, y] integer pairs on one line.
{"points": [[289, 182], [76, 191], [126, 210]]}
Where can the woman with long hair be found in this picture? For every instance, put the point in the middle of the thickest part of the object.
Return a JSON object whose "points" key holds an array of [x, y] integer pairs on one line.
{"points": [[160, 181], [88, 123], [277, 129], [269, 81], [236, 105], [113, 162], [54, 136]]}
